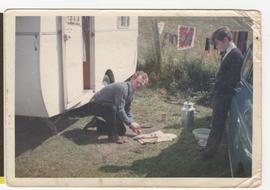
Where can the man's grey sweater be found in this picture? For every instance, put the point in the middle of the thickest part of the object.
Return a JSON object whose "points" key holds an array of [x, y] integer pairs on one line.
{"points": [[119, 94]]}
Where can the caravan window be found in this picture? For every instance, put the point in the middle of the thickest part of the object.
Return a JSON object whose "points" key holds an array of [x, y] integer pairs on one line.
{"points": [[123, 22]]}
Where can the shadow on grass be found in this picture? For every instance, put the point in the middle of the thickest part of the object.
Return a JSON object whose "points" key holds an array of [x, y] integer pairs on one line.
{"points": [[198, 122], [30, 132], [178, 160], [81, 137], [203, 122], [80, 112], [175, 126]]}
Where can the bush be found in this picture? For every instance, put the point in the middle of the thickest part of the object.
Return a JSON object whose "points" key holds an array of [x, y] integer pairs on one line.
{"points": [[201, 75], [188, 77], [150, 66]]}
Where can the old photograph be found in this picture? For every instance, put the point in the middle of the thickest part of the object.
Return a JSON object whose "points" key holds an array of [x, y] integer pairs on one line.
{"points": [[133, 98], [1, 103]]}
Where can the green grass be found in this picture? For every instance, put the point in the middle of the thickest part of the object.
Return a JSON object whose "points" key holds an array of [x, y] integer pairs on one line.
{"points": [[76, 153]]}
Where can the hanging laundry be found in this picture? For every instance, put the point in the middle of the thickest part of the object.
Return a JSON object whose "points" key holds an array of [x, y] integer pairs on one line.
{"points": [[207, 44], [186, 36], [206, 48], [240, 40]]}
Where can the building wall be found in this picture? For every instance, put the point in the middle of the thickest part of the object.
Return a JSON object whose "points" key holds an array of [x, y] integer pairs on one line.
{"points": [[205, 26]]}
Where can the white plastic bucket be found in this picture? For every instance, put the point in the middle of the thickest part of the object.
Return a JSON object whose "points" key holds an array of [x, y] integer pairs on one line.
{"points": [[201, 135]]}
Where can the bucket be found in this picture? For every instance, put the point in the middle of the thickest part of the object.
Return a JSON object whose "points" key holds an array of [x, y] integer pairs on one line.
{"points": [[201, 135]]}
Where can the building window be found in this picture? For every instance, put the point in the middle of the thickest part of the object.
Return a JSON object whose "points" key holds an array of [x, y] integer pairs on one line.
{"points": [[123, 22]]}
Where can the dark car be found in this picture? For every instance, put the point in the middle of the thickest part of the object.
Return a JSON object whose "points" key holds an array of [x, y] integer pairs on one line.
{"points": [[239, 129]]}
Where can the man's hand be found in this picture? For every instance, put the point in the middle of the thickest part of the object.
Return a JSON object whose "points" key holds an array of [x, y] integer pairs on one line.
{"points": [[135, 127]]}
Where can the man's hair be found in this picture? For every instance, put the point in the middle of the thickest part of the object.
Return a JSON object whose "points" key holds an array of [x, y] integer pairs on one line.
{"points": [[142, 74], [220, 34]]}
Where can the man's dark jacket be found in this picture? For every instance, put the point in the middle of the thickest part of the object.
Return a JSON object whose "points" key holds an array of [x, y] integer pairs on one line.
{"points": [[229, 73]]}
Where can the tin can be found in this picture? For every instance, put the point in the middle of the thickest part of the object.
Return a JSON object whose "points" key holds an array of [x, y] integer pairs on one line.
{"points": [[187, 116]]}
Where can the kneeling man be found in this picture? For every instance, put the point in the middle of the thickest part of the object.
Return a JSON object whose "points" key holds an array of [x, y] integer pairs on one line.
{"points": [[113, 104]]}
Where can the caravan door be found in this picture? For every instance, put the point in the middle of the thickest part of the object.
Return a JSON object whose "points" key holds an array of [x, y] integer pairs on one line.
{"points": [[72, 60]]}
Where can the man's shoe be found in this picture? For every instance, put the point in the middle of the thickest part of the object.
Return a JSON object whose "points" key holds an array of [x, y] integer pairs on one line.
{"points": [[116, 139], [91, 124], [112, 137], [119, 140]]}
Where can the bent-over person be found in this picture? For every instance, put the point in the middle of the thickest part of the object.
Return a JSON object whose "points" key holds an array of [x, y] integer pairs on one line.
{"points": [[113, 104]]}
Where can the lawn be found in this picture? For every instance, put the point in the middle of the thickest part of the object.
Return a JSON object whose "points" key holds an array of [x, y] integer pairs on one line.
{"points": [[77, 153]]}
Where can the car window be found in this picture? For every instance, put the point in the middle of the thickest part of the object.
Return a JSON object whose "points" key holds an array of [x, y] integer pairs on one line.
{"points": [[250, 77], [247, 67]]}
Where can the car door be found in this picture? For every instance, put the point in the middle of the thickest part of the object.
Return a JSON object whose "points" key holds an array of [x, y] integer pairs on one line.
{"points": [[240, 121]]}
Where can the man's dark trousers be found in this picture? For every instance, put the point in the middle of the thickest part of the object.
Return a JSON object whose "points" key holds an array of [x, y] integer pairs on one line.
{"points": [[221, 105], [108, 112]]}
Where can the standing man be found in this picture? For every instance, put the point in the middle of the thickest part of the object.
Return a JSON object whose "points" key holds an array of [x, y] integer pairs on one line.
{"points": [[227, 78], [113, 104]]}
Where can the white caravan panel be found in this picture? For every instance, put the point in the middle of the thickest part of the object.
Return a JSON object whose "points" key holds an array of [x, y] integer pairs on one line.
{"points": [[28, 96], [72, 59]]}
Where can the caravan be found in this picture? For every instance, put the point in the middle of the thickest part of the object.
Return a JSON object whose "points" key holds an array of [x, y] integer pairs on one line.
{"points": [[61, 61]]}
